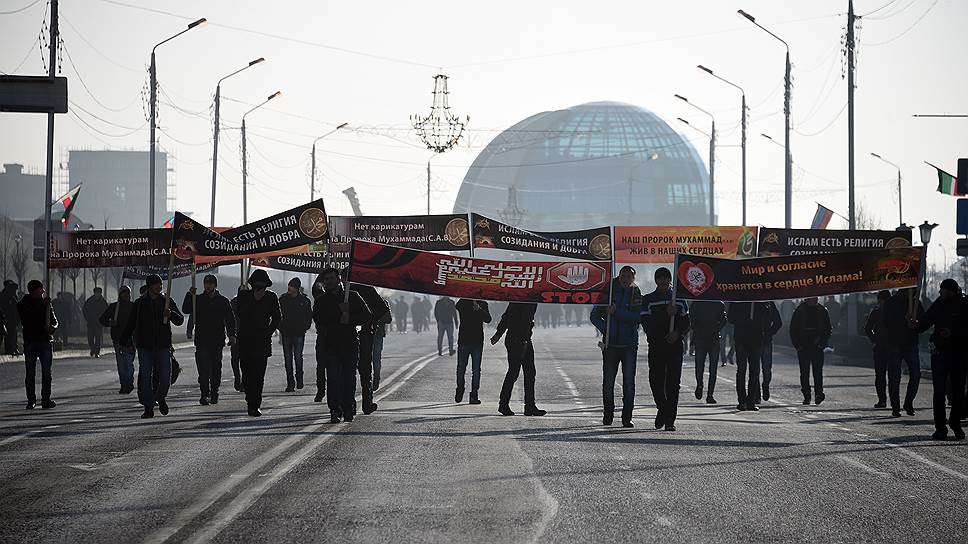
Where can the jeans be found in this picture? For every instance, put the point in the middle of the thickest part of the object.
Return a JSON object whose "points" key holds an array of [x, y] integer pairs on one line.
{"points": [[292, 349], [125, 359], [613, 357], [912, 356], [10, 340], [254, 370], [747, 372], [236, 362], [32, 352], [445, 329], [208, 361], [811, 358], [703, 348], [882, 366], [341, 365], [520, 355], [766, 362], [377, 359], [948, 367], [151, 363], [474, 352], [320, 368], [364, 365], [665, 374], [95, 333]]}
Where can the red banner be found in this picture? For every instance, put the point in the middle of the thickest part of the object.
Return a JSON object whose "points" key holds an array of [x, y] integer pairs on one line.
{"points": [[567, 282]]}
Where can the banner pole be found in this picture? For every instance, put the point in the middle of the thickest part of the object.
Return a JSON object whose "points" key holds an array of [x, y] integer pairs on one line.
{"points": [[171, 272], [611, 285], [675, 280], [345, 318], [470, 233], [194, 294], [117, 306]]}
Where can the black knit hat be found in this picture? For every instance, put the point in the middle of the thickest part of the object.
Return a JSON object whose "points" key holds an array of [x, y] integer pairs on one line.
{"points": [[33, 285], [259, 278], [295, 282], [951, 285], [152, 279], [210, 278]]}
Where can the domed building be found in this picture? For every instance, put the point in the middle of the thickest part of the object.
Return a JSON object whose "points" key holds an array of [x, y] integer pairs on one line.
{"points": [[601, 163]]}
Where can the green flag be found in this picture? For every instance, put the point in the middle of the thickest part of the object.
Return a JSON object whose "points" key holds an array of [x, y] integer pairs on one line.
{"points": [[947, 183]]}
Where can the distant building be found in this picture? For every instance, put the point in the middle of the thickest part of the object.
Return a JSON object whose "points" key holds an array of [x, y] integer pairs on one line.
{"points": [[116, 187], [21, 194]]}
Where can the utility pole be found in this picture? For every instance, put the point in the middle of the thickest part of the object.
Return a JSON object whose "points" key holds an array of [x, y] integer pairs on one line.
{"points": [[49, 183], [712, 179], [312, 175], [153, 83], [428, 186], [743, 144], [788, 172], [245, 197], [218, 96], [851, 209]]}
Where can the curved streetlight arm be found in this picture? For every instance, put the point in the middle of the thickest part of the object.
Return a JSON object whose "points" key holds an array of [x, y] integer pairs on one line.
{"points": [[686, 100], [194, 24], [699, 130], [724, 80], [266, 101], [246, 67], [768, 137], [882, 159], [751, 19], [343, 125]]}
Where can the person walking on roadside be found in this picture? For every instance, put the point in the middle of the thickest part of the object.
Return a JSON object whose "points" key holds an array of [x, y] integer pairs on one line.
{"points": [[810, 333], [518, 323], [379, 336], [378, 310], [258, 317], [707, 319], [320, 351], [66, 309], [214, 321], [8, 305], [402, 309], [619, 324], [235, 357], [949, 364], [116, 317], [297, 317], [665, 346], [901, 309], [753, 323], [93, 307], [772, 325], [149, 328], [445, 313], [470, 345], [39, 322], [337, 322], [877, 332]]}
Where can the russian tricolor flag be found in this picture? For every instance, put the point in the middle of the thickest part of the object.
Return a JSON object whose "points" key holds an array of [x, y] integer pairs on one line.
{"points": [[822, 217]]}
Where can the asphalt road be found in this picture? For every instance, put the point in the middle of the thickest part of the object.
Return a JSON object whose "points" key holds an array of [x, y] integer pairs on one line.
{"points": [[423, 469]]}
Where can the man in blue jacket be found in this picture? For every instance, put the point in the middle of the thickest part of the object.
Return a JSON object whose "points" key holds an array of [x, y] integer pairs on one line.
{"points": [[619, 323]]}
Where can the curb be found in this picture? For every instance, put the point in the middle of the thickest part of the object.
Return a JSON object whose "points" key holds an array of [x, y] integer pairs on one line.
{"points": [[78, 353]]}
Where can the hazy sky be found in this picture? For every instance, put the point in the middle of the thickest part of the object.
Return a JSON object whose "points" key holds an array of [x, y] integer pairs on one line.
{"points": [[372, 63]]}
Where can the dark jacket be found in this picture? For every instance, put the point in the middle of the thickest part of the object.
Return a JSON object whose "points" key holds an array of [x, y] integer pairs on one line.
{"points": [[655, 320], [810, 326], [473, 315], [379, 310], [445, 312], [901, 335], [951, 314], [147, 327], [707, 319], [94, 306], [337, 336], [257, 320], [876, 328], [33, 319], [214, 321], [518, 321], [8, 304], [380, 323], [124, 314], [755, 330], [297, 314], [624, 324]]}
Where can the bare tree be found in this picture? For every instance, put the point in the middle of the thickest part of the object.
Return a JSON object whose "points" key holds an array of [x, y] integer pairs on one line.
{"points": [[73, 274], [5, 247], [865, 219], [19, 260]]}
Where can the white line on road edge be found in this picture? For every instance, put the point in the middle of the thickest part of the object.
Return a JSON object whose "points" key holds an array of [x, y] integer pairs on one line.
{"points": [[21, 436], [866, 468], [247, 497]]}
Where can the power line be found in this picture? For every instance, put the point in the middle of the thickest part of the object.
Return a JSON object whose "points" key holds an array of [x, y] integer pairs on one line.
{"points": [[827, 126], [18, 10], [908, 29], [90, 93], [96, 50]]}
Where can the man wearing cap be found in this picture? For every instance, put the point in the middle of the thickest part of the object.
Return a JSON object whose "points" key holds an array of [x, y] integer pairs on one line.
{"points": [[39, 323], [116, 316], [949, 317], [297, 316], [378, 311], [213, 320], [8, 305], [234, 348], [876, 330], [150, 326], [93, 307], [258, 317]]}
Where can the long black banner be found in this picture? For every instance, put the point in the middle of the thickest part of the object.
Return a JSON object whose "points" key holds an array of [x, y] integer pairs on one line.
{"points": [[446, 232], [109, 248], [588, 244], [776, 242]]}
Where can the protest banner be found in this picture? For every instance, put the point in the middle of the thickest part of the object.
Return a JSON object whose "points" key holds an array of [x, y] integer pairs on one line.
{"points": [[796, 276], [565, 282], [776, 242], [447, 232], [588, 244], [109, 248], [310, 263], [662, 244]]}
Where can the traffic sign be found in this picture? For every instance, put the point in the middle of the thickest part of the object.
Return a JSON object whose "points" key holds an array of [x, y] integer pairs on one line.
{"points": [[33, 94], [961, 222]]}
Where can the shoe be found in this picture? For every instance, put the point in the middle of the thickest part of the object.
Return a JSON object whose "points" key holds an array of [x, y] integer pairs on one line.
{"points": [[318, 397], [909, 409], [213, 399], [238, 385], [766, 392], [959, 433], [299, 383], [881, 404], [30, 405], [658, 421], [710, 400], [163, 407], [756, 401], [48, 404], [290, 389], [534, 411], [334, 419], [896, 413], [440, 353], [607, 419], [820, 398], [670, 427], [474, 399], [459, 395], [741, 407], [376, 385], [505, 410], [752, 408], [347, 418], [451, 353], [698, 391], [148, 414], [121, 391], [369, 408], [255, 412], [627, 423], [127, 390], [203, 401], [940, 435], [806, 401]]}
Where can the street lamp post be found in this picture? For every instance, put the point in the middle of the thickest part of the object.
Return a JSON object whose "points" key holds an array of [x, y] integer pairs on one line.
{"points": [[742, 124], [153, 106], [900, 217], [712, 163], [787, 89], [924, 229], [312, 173], [218, 101], [245, 171]]}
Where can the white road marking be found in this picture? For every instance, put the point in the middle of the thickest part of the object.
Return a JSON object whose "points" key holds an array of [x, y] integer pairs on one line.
{"points": [[663, 521], [856, 463], [21, 436]]}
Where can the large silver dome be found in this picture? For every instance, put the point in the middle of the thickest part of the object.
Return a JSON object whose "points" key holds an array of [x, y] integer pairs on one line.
{"points": [[595, 164]]}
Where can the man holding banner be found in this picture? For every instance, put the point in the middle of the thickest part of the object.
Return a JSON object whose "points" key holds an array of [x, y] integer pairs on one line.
{"points": [[518, 322], [810, 333], [665, 321], [619, 324], [258, 318], [214, 320]]}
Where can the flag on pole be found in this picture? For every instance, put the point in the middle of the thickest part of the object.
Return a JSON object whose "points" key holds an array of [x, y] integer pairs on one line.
{"points": [[822, 217], [170, 223], [67, 201], [949, 185]]}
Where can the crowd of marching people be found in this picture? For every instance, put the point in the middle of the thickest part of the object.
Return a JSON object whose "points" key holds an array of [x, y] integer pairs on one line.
{"points": [[352, 321]]}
